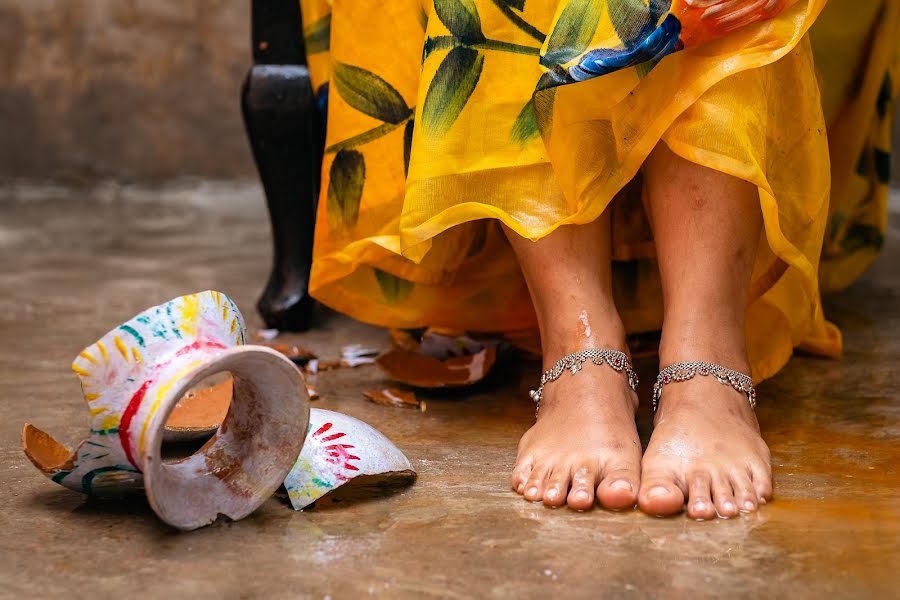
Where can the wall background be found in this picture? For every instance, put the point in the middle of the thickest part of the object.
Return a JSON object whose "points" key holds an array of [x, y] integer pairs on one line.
{"points": [[125, 89]]}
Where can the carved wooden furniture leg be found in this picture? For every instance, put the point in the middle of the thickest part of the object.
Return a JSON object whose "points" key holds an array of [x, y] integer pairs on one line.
{"points": [[285, 133]]}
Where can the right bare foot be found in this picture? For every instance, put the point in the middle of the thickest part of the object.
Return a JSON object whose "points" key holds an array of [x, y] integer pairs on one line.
{"points": [[584, 445]]}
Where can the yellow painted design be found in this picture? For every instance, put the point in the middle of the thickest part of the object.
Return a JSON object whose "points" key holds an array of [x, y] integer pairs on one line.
{"points": [[103, 352], [190, 311], [218, 298], [161, 392], [225, 313], [109, 422], [98, 411], [90, 397], [137, 355], [80, 371], [233, 325], [121, 347], [87, 356]]}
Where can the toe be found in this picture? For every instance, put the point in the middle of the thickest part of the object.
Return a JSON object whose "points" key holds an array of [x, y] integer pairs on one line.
{"points": [[557, 487], [618, 490], [699, 504], [761, 477], [744, 493], [723, 498], [520, 475], [537, 481], [584, 480], [659, 494]]}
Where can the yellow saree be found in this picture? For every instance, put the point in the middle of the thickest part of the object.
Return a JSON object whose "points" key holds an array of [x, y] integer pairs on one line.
{"points": [[447, 116]]}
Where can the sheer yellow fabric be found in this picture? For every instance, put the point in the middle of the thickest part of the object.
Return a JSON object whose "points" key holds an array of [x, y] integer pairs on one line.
{"points": [[447, 116]]}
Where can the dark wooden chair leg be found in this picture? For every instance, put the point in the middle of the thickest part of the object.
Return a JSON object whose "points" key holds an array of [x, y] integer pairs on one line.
{"points": [[286, 136]]}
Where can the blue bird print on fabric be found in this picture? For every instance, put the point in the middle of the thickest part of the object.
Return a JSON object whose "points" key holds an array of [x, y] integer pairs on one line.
{"points": [[652, 44]]}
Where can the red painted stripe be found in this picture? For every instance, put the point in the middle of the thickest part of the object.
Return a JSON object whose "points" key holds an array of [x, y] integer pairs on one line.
{"points": [[333, 436], [323, 429], [127, 417]]}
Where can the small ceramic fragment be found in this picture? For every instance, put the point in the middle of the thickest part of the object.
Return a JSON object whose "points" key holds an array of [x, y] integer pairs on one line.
{"points": [[298, 354], [267, 335], [338, 449], [133, 378], [423, 371], [357, 354], [395, 397]]}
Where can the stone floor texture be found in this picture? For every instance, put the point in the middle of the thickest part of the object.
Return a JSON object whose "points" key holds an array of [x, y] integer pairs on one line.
{"points": [[74, 265]]}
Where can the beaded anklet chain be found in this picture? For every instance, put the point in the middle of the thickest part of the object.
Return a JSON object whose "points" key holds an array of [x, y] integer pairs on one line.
{"points": [[683, 371], [574, 362]]}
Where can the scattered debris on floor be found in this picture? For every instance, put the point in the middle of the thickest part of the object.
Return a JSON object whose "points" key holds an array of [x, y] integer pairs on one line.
{"points": [[395, 397], [297, 354], [267, 335], [438, 359]]}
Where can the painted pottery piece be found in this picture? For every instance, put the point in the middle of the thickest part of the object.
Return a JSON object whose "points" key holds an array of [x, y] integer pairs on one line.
{"points": [[340, 448], [133, 377]]}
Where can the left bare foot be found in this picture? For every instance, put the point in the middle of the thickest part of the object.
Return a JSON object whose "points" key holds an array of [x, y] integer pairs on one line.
{"points": [[706, 451]]}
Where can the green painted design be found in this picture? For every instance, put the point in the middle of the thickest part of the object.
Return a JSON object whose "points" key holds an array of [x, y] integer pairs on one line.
{"points": [[574, 30], [407, 145], [93, 443], [461, 18], [526, 126], [393, 288], [506, 7], [131, 330], [317, 37], [450, 89], [370, 94], [111, 431], [87, 482], [345, 187], [364, 137], [58, 477], [321, 483]]}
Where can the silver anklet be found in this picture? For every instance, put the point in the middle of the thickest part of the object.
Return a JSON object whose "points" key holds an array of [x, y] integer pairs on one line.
{"points": [[686, 370], [573, 363]]}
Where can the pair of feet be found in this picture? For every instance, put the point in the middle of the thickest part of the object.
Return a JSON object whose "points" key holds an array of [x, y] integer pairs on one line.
{"points": [[706, 452]]}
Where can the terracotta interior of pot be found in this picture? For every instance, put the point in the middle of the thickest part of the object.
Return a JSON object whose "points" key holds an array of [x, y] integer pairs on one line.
{"points": [[249, 455]]}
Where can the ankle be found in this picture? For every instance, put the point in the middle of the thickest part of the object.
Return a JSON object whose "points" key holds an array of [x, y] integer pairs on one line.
{"points": [[721, 344]]}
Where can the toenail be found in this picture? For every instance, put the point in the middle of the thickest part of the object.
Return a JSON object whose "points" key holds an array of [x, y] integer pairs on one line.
{"points": [[531, 491], [621, 484], [762, 500], [729, 506], [657, 491], [552, 494], [700, 505], [520, 487], [749, 505], [581, 495]]}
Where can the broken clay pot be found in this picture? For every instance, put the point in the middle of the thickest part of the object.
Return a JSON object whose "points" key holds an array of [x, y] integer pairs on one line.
{"points": [[132, 379], [340, 448]]}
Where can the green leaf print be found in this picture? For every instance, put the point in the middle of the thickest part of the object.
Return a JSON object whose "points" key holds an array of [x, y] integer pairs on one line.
{"points": [[317, 36], [345, 186], [526, 127], [573, 32], [506, 7], [450, 89], [393, 288], [370, 94], [407, 144], [461, 18]]}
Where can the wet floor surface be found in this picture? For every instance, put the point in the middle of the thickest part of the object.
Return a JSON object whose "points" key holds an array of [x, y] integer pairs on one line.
{"points": [[73, 267]]}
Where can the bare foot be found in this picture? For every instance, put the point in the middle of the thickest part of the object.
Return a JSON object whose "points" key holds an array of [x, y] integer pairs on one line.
{"points": [[584, 445], [706, 451]]}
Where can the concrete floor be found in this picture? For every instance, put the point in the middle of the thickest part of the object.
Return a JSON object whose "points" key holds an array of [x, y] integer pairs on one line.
{"points": [[72, 267]]}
